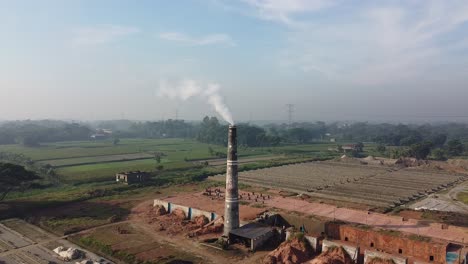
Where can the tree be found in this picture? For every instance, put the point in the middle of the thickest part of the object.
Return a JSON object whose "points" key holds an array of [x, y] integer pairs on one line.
{"points": [[299, 135], [27, 141], [439, 154], [420, 150], [211, 151], [14, 177], [339, 148], [381, 148], [116, 141], [439, 140], [157, 157], [455, 147], [359, 147]]}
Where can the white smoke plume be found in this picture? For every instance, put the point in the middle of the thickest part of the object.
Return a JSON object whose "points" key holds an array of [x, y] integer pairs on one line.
{"points": [[189, 88]]}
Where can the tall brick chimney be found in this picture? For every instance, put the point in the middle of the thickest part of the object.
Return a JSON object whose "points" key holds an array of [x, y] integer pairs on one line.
{"points": [[231, 208]]}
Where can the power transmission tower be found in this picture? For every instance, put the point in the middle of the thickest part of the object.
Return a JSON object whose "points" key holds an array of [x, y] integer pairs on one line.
{"points": [[290, 114]]}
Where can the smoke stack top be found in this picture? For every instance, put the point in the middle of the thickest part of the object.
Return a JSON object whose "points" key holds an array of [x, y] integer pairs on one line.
{"points": [[187, 89]]}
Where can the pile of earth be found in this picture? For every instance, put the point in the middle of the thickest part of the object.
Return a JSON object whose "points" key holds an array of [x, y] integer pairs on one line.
{"points": [[378, 161], [459, 163], [350, 160], [369, 160], [206, 227], [152, 213], [179, 214], [411, 162], [289, 252], [334, 255], [200, 220]]}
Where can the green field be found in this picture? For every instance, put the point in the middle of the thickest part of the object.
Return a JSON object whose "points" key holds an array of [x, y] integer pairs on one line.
{"points": [[77, 149], [91, 161]]}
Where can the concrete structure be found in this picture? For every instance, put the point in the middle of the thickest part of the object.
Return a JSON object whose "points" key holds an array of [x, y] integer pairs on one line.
{"points": [[350, 147], [370, 254], [190, 212], [353, 252], [253, 235], [313, 242], [132, 177], [231, 208]]}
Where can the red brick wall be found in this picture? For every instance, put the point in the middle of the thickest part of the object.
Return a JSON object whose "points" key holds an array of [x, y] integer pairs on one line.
{"points": [[390, 243]]}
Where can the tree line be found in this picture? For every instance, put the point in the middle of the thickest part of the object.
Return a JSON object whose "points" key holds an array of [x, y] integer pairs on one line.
{"points": [[32, 133], [439, 140]]}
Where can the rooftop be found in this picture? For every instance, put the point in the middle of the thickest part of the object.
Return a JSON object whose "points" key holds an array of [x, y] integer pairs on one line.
{"points": [[251, 230]]}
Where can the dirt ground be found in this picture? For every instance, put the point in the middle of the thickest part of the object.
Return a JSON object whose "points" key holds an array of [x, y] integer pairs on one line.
{"points": [[198, 200], [454, 233], [175, 232], [23, 243], [444, 201]]}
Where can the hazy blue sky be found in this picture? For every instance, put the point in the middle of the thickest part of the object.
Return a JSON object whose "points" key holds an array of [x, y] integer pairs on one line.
{"points": [[336, 59]]}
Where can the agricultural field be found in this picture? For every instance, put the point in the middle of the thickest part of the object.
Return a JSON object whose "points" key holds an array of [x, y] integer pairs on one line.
{"points": [[91, 161], [374, 186]]}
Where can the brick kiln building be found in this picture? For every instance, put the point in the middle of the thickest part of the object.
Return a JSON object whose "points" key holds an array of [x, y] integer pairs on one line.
{"points": [[416, 249]]}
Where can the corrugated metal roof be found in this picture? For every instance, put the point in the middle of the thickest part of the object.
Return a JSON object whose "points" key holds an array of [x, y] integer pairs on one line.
{"points": [[252, 230]]}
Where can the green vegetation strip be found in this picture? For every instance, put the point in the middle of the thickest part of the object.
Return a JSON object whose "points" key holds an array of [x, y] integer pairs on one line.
{"points": [[463, 197]]}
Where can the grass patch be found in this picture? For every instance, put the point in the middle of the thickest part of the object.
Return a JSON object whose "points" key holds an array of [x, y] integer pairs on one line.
{"points": [[463, 197]]}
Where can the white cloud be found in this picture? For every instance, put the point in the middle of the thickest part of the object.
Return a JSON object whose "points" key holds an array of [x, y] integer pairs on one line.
{"points": [[284, 10], [212, 39], [379, 45], [101, 34]]}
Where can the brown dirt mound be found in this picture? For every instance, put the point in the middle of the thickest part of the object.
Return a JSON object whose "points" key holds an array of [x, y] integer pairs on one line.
{"points": [[380, 261], [411, 162], [159, 210], [179, 214], [335, 255], [147, 213], [200, 220], [459, 162], [289, 252]]}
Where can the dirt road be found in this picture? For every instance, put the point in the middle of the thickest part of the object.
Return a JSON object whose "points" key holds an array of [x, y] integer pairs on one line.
{"points": [[444, 201]]}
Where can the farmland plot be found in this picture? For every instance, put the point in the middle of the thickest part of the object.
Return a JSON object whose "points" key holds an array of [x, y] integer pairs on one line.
{"points": [[98, 159], [375, 186]]}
